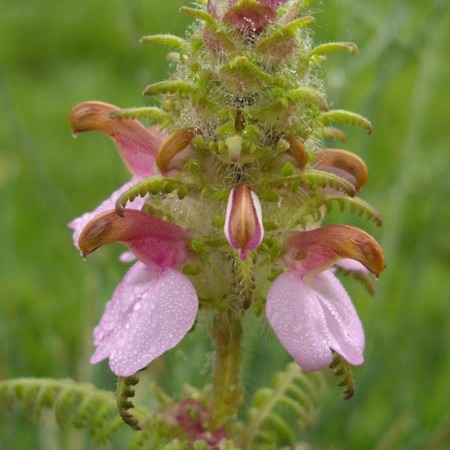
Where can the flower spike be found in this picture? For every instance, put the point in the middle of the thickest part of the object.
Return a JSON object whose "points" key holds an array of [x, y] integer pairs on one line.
{"points": [[246, 116]]}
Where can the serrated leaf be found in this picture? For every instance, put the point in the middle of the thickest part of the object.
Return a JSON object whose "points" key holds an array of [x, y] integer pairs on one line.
{"points": [[293, 394], [309, 95], [148, 112], [75, 404], [154, 185], [198, 14], [331, 47], [341, 368], [125, 391], [169, 86], [301, 22], [348, 117], [354, 205], [165, 39], [317, 179]]}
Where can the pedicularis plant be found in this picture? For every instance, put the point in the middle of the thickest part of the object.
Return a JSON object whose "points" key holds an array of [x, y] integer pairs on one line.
{"points": [[230, 183]]}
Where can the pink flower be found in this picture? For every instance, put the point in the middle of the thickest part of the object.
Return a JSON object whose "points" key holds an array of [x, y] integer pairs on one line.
{"points": [[154, 306], [307, 307]]}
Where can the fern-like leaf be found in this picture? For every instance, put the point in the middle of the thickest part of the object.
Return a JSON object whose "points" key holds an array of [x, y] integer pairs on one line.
{"points": [[361, 276], [331, 47], [124, 392], [355, 205], [165, 39], [148, 112], [341, 368], [328, 133], [168, 87], [75, 404], [294, 393], [348, 117], [198, 14], [156, 185], [308, 95], [317, 178]]}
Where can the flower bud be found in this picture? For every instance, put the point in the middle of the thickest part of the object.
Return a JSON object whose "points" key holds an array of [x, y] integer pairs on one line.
{"points": [[251, 17], [297, 150], [343, 163], [243, 221], [172, 147]]}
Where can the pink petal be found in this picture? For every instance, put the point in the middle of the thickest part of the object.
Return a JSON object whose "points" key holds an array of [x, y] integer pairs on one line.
{"points": [[350, 265], [137, 145], [152, 240], [149, 314], [346, 334], [80, 222], [312, 316], [294, 312]]}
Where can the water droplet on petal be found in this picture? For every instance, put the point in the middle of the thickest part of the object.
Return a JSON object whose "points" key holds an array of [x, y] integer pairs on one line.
{"points": [[137, 292], [137, 306]]}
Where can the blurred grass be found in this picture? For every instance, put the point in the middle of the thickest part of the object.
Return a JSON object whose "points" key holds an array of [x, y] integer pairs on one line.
{"points": [[54, 54]]}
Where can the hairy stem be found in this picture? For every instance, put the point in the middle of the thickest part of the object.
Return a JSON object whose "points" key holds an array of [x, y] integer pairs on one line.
{"points": [[226, 392]]}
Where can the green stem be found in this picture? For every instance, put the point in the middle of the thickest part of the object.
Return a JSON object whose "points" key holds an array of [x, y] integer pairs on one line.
{"points": [[226, 392]]}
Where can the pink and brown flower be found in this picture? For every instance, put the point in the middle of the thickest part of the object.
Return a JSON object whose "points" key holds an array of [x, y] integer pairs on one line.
{"points": [[308, 308]]}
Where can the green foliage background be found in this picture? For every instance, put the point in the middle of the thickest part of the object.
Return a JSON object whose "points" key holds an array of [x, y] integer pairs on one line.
{"points": [[56, 53]]}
